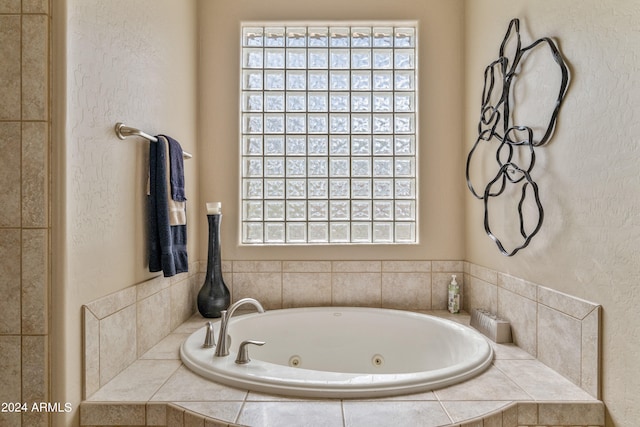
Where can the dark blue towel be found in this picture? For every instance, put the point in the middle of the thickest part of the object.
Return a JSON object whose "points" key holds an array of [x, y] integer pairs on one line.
{"points": [[167, 244], [176, 176]]}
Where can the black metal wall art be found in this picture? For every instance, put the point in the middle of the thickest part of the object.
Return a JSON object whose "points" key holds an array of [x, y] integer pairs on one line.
{"points": [[496, 127]]}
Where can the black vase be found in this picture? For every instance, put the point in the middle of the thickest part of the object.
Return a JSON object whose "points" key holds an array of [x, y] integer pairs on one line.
{"points": [[214, 295]]}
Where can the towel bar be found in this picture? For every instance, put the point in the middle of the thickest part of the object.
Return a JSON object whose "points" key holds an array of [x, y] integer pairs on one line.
{"points": [[123, 131]]}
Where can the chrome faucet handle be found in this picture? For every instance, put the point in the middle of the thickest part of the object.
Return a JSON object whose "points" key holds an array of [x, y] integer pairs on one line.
{"points": [[243, 351], [209, 340]]}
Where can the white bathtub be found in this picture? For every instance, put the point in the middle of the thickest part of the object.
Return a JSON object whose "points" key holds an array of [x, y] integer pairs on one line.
{"points": [[343, 352]]}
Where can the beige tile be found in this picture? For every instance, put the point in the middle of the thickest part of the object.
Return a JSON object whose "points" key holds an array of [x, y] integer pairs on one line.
{"points": [[226, 412], [194, 323], [473, 423], [390, 413], [167, 349], [567, 304], [35, 248], [406, 291], [306, 266], [527, 413], [10, 6], [10, 316], [175, 416], [502, 388], [214, 423], [35, 174], [257, 266], [10, 171], [111, 414], [10, 67], [440, 289], [35, 369], [518, 286], [575, 413], [590, 368], [183, 303], [356, 266], [510, 351], [560, 342], [11, 419], [151, 286], [306, 289], [406, 266], [35, 67], [464, 410], [185, 386], [357, 289], [10, 369], [91, 353], [447, 267], [481, 294], [156, 414], [117, 343], [484, 274], [193, 420], [522, 315], [265, 287], [35, 6], [510, 415], [322, 413], [492, 420], [109, 304], [153, 319]]}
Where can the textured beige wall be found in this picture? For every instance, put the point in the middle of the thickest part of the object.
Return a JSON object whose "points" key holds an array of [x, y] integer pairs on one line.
{"points": [[440, 61], [125, 61], [588, 174]]}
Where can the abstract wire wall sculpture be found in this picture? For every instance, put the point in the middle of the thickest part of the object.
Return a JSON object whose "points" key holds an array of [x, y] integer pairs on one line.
{"points": [[497, 127]]}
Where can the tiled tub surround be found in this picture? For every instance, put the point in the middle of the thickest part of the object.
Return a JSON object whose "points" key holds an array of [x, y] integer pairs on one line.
{"points": [[146, 384]]}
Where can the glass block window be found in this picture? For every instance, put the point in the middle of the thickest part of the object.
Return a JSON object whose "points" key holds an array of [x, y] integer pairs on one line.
{"points": [[328, 134]]}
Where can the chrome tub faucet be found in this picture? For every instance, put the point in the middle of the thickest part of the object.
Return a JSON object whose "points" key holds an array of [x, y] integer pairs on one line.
{"points": [[222, 348]]}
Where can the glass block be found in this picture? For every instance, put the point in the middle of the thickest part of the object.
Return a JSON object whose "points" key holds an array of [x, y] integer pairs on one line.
{"points": [[382, 36], [296, 188], [361, 232], [296, 146], [405, 123], [296, 123], [274, 58], [382, 123], [318, 189], [252, 232], [318, 123], [339, 36], [404, 102], [318, 210], [361, 188], [296, 58], [383, 167], [361, 58], [361, 210], [252, 210], [405, 210], [361, 37], [252, 36], [274, 232], [274, 189], [296, 36], [404, 59], [318, 146], [382, 80], [252, 58], [274, 36], [339, 210], [405, 37], [339, 167], [382, 102], [382, 145], [405, 167], [318, 166], [339, 80], [318, 37], [318, 80], [360, 80], [339, 123], [252, 188], [318, 102], [274, 101], [296, 167], [296, 210], [339, 102], [382, 232], [296, 101], [273, 123], [319, 232], [404, 80], [339, 59], [405, 188], [274, 210], [252, 167], [339, 188], [405, 232], [383, 188], [252, 145], [339, 145], [252, 123], [274, 145], [339, 232], [361, 167], [383, 210], [296, 233], [382, 59], [318, 58], [251, 80], [251, 101], [405, 145], [361, 145], [360, 123], [296, 80], [274, 80], [361, 102], [273, 166]]}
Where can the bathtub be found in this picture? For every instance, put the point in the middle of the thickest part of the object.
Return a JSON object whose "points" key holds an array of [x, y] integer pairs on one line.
{"points": [[342, 352]]}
